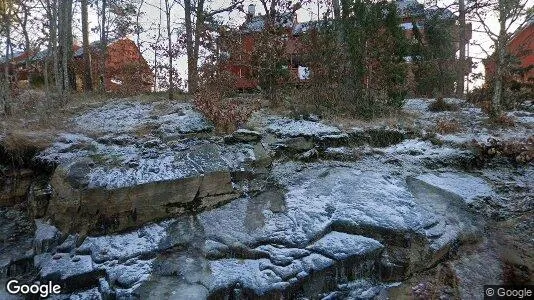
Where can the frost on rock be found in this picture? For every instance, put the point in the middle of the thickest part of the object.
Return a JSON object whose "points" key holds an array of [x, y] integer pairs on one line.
{"points": [[416, 104], [185, 121], [229, 272], [263, 277], [523, 117], [134, 167], [115, 117], [124, 246], [127, 116], [417, 152], [72, 271], [296, 128], [468, 188], [341, 246], [324, 198]]}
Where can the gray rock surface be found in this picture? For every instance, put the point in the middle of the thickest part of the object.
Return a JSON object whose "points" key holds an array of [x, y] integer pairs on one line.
{"points": [[73, 272], [243, 136], [46, 237], [159, 207], [464, 186]]}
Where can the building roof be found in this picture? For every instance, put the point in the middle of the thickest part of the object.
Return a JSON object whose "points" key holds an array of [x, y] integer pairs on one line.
{"points": [[441, 13], [15, 55], [257, 23], [97, 45], [408, 8]]}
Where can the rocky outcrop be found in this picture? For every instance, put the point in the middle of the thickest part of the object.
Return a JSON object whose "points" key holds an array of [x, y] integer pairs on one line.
{"points": [[243, 136], [93, 199], [16, 237], [153, 205], [119, 179], [377, 136], [72, 272], [14, 186]]}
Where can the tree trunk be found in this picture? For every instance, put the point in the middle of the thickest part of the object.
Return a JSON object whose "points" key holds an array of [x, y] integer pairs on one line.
{"points": [[104, 44], [496, 100], [25, 33], [138, 27], [460, 76], [192, 62], [6, 82], [189, 48], [170, 53], [45, 74], [63, 20], [88, 73], [53, 8], [71, 74], [500, 52], [337, 9]]}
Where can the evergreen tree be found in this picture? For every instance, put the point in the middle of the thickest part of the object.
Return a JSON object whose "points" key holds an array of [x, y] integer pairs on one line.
{"points": [[433, 54], [376, 48]]}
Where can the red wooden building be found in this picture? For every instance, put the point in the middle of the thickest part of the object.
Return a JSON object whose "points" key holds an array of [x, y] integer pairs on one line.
{"points": [[126, 71], [521, 46]]}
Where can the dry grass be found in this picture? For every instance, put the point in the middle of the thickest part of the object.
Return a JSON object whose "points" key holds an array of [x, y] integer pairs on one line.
{"points": [[447, 126], [19, 146], [37, 117]]}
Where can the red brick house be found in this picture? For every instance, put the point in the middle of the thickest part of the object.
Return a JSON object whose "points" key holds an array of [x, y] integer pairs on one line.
{"points": [[126, 71], [410, 11], [521, 46], [239, 62]]}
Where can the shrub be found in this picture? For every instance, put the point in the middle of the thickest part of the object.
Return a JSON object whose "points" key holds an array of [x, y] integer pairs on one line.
{"points": [[504, 120], [521, 151], [514, 94], [441, 105], [357, 65], [212, 100]]}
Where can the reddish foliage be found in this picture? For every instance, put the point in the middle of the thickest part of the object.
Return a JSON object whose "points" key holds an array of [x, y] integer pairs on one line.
{"points": [[505, 120], [211, 100], [518, 151], [448, 126]]}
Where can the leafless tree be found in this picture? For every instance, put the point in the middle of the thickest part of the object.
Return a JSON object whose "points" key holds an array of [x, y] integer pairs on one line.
{"points": [[511, 15], [104, 45], [460, 76], [65, 41], [51, 15], [6, 16], [88, 73], [170, 55], [196, 16]]}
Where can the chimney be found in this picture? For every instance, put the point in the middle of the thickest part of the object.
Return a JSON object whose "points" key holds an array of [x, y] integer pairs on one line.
{"points": [[251, 11]]}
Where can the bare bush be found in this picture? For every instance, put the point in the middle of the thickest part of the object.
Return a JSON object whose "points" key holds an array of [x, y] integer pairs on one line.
{"points": [[520, 151], [212, 99], [441, 105]]}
